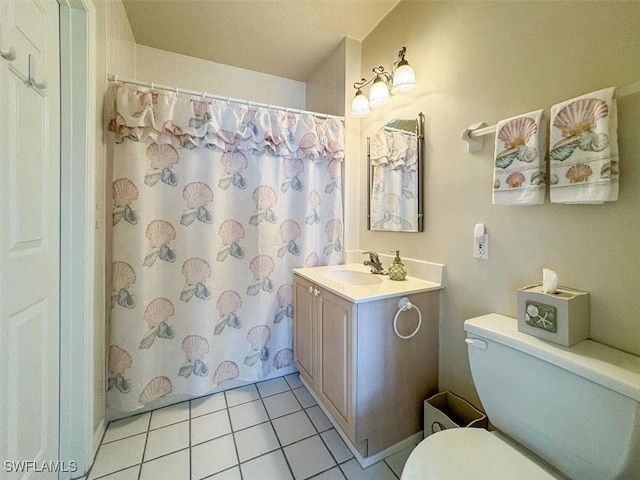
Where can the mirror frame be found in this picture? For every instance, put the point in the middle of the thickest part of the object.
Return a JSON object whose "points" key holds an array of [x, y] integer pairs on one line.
{"points": [[419, 174]]}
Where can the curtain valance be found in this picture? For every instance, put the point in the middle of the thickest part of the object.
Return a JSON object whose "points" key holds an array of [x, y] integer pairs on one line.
{"points": [[186, 121], [393, 149]]}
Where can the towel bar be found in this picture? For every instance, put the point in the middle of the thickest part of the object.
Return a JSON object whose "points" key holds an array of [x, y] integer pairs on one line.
{"points": [[473, 133]]}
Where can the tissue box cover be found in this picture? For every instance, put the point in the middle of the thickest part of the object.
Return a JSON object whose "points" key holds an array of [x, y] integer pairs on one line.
{"points": [[561, 317]]}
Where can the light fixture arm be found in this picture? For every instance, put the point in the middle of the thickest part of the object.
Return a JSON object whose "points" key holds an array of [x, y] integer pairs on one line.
{"points": [[378, 72]]}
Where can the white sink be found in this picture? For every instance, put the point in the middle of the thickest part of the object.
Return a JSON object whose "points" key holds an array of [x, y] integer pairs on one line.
{"points": [[353, 277], [355, 283]]}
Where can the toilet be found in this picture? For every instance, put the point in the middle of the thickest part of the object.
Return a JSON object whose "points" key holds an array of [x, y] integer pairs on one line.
{"points": [[560, 413]]}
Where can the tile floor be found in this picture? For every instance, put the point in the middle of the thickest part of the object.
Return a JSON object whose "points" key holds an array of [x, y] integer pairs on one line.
{"points": [[271, 430]]}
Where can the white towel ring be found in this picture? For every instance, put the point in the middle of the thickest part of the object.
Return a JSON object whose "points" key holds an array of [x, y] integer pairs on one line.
{"points": [[403, 305]]}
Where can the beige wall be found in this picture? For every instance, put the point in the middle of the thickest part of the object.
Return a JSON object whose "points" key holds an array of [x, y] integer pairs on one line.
{"points": [[485, 61], [121, 46], [192, 73], [325, 85], [352, 171], [328, 91]]}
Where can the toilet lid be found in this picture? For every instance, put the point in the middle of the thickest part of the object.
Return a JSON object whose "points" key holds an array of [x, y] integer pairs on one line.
{"points": [[470, 453]]}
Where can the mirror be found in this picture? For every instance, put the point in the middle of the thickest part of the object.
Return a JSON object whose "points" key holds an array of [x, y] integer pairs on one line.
{"points": [[395, 176]]}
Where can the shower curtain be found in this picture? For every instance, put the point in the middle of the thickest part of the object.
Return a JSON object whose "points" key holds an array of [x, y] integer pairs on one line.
{"points": [[214, 204]]}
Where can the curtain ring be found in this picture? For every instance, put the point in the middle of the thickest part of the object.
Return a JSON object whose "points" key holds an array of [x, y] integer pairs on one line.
{"points": [[152, 85], [177, 92], [228, 101], [204, 94], [115, 79], [269, 108]]}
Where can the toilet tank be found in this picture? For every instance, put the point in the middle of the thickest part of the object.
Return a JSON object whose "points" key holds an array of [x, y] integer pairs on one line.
{"points": [[577, 408]]}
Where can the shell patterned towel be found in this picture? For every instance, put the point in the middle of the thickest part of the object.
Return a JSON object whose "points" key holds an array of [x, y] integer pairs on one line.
{"points": [[519, 173], [584, 149]]}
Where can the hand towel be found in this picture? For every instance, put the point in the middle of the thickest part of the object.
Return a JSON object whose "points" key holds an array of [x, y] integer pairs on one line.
{"points": [[519, 173], [584, 149]]}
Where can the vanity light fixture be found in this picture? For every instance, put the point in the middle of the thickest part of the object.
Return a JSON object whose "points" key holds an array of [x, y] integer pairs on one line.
{"points": [[402, 79]]}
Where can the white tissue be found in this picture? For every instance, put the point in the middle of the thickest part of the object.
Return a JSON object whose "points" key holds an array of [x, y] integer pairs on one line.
{"points": [[549, 281]]}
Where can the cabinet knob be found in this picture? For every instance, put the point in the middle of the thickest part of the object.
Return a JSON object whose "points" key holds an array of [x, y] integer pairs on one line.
{"points": [[316, 292]]}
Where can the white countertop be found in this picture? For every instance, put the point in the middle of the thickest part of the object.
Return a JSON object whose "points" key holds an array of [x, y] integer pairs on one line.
{"points": [[365, 293]]}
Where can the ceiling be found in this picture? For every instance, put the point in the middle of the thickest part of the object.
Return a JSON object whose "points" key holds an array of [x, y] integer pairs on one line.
{"points": [[287, 38]]}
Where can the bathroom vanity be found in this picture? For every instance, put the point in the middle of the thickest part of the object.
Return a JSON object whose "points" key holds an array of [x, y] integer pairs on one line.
{"points": [[370, 381]]}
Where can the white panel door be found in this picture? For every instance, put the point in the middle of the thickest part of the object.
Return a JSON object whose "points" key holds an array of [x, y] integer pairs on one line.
{"points": [[29, 238]]}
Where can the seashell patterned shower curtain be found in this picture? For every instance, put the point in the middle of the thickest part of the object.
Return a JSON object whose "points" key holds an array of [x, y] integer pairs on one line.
{"points": [[213, 206]]}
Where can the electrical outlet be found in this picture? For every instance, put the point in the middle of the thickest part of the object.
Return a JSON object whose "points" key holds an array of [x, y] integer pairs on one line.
{"points": [[481, 247]]}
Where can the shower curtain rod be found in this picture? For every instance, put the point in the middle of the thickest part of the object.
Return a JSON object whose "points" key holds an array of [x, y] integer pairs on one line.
{"points": [[478, 132], [154, 86]]}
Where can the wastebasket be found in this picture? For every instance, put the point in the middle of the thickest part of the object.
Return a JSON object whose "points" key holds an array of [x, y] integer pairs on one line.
{"points": [[446, 410]]}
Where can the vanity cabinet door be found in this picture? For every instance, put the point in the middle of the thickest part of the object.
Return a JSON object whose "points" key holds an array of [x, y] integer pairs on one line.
{"points": [[335, 332], [371, 382], [303, 343]]}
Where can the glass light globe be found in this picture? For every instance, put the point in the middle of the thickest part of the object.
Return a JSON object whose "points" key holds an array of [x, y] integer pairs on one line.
{"points": [[360, 106], [379, 94], [404, 79]]}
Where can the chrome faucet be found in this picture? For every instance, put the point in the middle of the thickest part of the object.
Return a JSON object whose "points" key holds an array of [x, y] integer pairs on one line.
{"points": [[374, 263]]}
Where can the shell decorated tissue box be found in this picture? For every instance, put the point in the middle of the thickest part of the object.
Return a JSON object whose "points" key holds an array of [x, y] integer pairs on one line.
{"points": [[557, 314]]}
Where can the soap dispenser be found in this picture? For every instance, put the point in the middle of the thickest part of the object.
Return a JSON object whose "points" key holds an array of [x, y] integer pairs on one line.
{"points": [[397, 270]]}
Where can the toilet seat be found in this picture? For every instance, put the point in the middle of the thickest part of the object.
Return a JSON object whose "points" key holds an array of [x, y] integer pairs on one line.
{"points": [[471, 453]]}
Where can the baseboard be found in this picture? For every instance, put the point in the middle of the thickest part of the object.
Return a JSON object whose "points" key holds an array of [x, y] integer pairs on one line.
{"points": [[365, 461], [97, 436], [97, 440]]}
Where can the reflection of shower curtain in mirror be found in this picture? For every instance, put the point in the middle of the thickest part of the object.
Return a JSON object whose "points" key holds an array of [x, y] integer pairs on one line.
{"points": [[394, 201], [214, 204]]}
